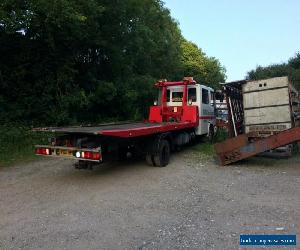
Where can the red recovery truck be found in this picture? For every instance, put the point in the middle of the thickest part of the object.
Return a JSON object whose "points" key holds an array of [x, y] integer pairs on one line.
{"points": [[184, 110]]}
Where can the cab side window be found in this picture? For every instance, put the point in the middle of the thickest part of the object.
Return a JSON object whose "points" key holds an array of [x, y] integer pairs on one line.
{"points": [[192, 94], [205, 96]]}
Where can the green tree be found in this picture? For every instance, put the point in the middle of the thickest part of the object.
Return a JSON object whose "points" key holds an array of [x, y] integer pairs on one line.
{"points": [[206, 70], [43, 44], [71, 61]]}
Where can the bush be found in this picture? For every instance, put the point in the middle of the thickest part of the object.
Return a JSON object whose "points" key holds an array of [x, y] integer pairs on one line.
{"points": [[17, 143]]}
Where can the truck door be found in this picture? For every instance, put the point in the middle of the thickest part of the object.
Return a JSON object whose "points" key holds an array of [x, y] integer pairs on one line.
{"points": [[192, 95], [206, 110]]}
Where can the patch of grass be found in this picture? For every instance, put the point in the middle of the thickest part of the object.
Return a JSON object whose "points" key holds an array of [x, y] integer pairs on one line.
{"points": [[205, 148], [220, 136], [17, 144]]}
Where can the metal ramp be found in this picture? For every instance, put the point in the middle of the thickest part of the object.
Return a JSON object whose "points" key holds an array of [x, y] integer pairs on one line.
{"points": [[240, 147]]}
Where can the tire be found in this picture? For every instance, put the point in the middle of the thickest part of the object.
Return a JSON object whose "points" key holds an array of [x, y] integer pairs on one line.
{"points": [[211, 134], [162, 157], [149, 159]]}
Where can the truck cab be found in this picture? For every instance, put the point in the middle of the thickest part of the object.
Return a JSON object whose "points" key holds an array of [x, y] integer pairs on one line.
{"points": [[198, 95]]}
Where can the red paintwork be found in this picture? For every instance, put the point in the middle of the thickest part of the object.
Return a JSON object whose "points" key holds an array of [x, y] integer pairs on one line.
{"points": [[191, 114], [158, 128], [155, 114], [163, 113], [165, 83]]}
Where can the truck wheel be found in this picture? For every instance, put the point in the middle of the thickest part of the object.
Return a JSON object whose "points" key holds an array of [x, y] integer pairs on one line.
{"points": [[211, 133], [149, 159], [162, 158]]}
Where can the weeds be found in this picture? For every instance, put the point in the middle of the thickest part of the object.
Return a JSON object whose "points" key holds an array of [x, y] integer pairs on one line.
{"points": [[17, 143], [206, 147]]}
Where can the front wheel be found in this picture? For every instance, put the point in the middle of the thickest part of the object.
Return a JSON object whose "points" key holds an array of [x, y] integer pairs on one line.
{"points": [[211, 133]]}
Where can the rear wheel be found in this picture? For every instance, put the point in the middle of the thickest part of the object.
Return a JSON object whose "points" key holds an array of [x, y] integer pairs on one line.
{"points": [[162, 157], [149, 159]]}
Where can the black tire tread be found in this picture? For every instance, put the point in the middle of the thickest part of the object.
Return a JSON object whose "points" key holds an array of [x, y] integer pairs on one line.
{"points": [[158, 156]]}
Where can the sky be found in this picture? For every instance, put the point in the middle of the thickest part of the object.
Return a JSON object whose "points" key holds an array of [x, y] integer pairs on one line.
{"points": [[241, 34]]}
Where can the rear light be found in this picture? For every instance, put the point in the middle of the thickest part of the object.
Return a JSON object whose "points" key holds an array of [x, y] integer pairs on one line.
{"points": [[42, 151], [88, 155], [92, 155]]}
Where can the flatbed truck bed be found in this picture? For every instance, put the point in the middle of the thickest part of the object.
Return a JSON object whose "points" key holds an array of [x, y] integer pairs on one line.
{"points": [[123, 130]]}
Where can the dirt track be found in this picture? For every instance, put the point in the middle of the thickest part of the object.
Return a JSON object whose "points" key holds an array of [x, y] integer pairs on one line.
{"points": [[192, 203]]}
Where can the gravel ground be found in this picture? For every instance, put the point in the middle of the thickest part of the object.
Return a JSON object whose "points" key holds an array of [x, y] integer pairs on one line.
{"points": [[192, 203]]}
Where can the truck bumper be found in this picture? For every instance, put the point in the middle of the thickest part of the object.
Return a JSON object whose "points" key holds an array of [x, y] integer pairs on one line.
{"points": [[84, 154]]}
